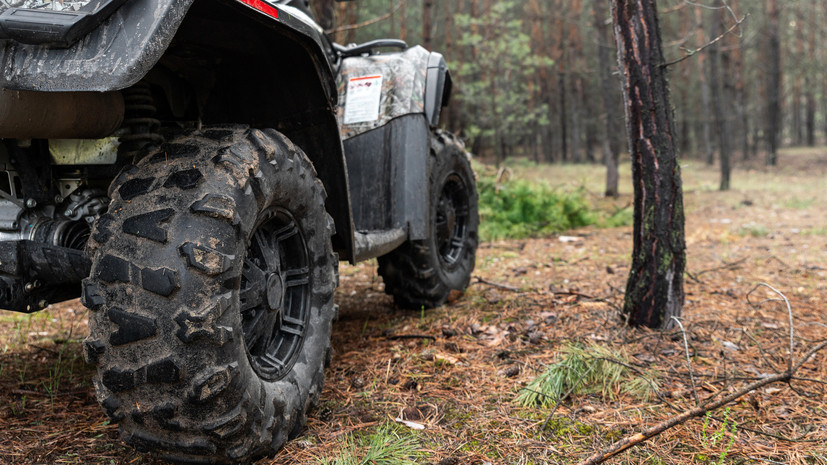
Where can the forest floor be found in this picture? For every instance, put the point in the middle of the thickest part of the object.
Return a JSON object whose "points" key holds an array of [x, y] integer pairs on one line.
{"points": [[453, 373]]}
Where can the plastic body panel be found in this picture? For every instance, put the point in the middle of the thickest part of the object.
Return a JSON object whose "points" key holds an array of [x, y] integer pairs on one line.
{"points": [[388, 173], [59, 28], [114, 56]]}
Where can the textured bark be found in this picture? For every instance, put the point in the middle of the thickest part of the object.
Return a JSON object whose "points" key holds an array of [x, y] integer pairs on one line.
{"points": [[773, 84], [609, 104], [811, 113], [741, 99], [325, 11], [654, 292], [719, 98], [808, 84], [703, 81], [403, 23], [562, 91], [575, 90], [427, 23], [540, 44], [576, 118]]}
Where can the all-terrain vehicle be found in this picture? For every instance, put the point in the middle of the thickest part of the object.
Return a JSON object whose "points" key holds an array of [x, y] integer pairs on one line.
{"points": [[195, 170]]}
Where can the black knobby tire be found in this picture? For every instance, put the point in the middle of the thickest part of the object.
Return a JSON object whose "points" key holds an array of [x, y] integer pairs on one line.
{"points": [[211, 296], [423, 273]]}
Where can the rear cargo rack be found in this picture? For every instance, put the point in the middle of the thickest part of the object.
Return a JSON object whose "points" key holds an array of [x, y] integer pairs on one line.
{"points": [[55, 28]]}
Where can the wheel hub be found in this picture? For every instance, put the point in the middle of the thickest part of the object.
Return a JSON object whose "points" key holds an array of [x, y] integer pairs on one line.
{"points": [[452, 220], [275, 292]]}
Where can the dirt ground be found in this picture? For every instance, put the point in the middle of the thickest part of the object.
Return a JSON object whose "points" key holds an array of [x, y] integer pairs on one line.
{"points": [[457, 370]]}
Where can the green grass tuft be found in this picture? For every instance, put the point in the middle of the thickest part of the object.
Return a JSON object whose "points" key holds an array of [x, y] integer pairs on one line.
{"points": [[388, 445], [585, 370], [754, 230]]}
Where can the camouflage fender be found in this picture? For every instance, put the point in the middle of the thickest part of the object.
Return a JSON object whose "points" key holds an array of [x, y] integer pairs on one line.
{"points": [[114, 56], [413, 81]]}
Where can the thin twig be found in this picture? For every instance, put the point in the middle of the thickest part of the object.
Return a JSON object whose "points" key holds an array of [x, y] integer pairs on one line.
{"points": [[642, 376], [689, 362], [725, 266], [779, 437], [758, 459], [397, 337], [789, 312], [760, 348], [810, 380], [773, 257], [691, 53], [350, 27], [497, 285]]}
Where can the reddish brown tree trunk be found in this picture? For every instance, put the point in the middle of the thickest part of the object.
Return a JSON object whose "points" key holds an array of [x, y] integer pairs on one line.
{"points": [[325, 11], [403, 24], [608, 89], [427, 23], [654, 292]]}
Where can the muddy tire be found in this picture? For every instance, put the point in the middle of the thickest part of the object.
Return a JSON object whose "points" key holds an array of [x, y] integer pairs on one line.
{"points": [[423, 273], [211, 297]]}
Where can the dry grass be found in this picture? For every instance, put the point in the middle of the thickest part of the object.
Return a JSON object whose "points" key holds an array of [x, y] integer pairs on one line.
{"points": [[490, 343]]}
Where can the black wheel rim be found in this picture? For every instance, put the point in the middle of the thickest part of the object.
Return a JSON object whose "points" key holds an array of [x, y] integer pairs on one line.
{"points": [[275, 294], [452, 216]]}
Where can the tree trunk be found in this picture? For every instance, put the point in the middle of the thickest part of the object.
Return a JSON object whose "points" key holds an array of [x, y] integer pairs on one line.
{"points": [[808, 82], [773, 85], [703, 81], [352, 18], [403, 21], [427, 23], [654, 292], [576, 119], [716, 84], [540, 44], [341, 16], [797, 123], [562, 90], [811, 113], [607, 83], [741, 98], [325, 11]]}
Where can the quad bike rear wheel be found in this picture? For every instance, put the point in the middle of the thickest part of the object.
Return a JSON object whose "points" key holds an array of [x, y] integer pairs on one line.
{"points": [[422, 273], [211, 296]]}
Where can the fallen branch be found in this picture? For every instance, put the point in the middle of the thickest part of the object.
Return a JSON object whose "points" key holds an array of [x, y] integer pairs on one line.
{"points": [[397, 337], [631, 441], [789, 313], [497, 285], [725, 266]]}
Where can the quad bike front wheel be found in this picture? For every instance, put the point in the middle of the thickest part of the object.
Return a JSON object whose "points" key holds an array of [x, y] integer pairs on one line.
{"points": [[422, 273], [211, 296]]}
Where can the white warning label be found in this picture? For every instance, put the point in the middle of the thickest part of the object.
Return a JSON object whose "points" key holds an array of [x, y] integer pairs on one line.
{"points": [[363, 97]]}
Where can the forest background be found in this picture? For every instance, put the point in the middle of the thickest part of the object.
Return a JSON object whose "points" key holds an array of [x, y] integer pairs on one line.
{"points": [[538, 78]]}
